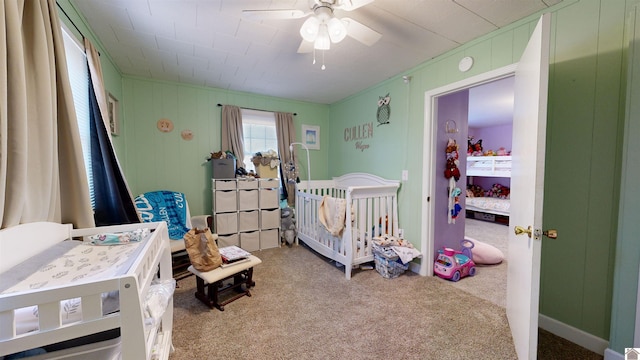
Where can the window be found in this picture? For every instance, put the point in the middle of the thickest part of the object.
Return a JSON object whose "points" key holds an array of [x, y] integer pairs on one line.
{"points": [[259, 128], [79, 79]]}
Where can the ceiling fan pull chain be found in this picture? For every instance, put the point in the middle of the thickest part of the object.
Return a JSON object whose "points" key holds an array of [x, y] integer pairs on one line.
{"points": [[323, 67], [314, 56]]}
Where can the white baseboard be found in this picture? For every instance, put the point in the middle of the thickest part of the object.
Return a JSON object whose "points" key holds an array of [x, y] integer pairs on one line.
{"points": [[576, 336], [612, 355]]}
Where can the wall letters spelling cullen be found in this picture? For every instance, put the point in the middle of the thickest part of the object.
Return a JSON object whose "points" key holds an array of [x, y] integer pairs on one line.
{"points": [[357, 133]]}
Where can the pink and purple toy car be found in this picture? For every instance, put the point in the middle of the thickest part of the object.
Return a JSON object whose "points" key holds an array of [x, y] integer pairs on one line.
{"points": [[454, 265]]}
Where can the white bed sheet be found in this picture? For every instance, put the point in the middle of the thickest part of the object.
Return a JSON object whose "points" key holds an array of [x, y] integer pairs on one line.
{"points": [[489, 205]]}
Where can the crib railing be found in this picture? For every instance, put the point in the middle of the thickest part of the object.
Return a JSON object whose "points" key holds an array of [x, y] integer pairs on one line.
{"points": [[371, 211]]}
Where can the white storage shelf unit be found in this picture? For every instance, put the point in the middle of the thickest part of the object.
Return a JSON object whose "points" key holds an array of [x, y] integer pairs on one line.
{"points": [[492, 166], [246, 212]]}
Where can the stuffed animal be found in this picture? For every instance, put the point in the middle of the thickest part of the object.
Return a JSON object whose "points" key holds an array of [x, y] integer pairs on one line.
{"points": [[499, 191], [451, 169], [288, 231], [474, 149]]}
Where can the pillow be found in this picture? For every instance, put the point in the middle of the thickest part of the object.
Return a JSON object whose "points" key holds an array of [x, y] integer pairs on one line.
{"points": [[485, 254]]}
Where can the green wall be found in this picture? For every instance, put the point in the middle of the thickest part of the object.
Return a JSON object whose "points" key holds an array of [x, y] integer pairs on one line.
{"points": [[164, 161], [582, 167]]}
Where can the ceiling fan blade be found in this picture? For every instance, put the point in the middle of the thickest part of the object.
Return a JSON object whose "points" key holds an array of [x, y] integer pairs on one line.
{"points": [[349, 5], [360, 32], [305, 47], [274, 14]]}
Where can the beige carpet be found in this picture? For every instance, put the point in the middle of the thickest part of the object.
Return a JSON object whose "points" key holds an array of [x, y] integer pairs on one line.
{"points": [[303, 308], [490, 281]]}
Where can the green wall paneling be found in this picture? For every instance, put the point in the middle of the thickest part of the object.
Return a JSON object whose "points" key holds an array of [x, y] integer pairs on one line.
{"points": [[157, 160]]}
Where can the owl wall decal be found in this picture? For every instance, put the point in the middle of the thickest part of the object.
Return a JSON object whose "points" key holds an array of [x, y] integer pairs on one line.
{"points": [[384, 109]]}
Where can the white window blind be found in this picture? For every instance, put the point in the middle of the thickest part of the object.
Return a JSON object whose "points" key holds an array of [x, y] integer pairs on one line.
{"points": [[79, 79], [259, 128]]}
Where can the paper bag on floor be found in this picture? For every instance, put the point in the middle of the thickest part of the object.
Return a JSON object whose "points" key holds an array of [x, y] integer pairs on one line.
{"points": [[202, 249]]}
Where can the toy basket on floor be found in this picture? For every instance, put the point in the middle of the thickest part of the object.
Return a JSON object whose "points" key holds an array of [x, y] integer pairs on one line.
{"points": [[385, 251], [389, 268]]}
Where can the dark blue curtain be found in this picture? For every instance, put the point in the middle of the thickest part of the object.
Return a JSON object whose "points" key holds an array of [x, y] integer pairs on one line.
{"points": [[113, 204]]}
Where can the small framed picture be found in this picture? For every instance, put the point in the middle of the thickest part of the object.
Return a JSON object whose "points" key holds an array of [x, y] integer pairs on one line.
{"points": [[311, 136], [112, 109]]}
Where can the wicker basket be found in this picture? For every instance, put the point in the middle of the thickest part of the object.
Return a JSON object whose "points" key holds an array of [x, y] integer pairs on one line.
{"points": [[388, 268]]}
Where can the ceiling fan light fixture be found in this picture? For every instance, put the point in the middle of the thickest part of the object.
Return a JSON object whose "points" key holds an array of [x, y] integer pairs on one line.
{"points": [[337, 30], [310, 28], [322, 42]]}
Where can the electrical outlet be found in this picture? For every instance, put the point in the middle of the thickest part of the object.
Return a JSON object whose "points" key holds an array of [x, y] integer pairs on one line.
{"points": [[401, 233], [405, 175]]}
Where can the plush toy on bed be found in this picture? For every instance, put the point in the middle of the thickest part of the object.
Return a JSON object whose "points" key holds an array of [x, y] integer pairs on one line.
{"points": [[475, 191], [499, 191], [474, 149]]}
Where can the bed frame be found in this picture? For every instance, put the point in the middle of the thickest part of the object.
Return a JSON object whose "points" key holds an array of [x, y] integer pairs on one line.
{"points": [[374, 211], [136, 341]]}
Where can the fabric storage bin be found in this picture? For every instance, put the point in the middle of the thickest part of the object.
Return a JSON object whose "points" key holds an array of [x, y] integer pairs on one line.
{"points": [[250, 241], [223, 168], [269, 239], [248, 220], [270, 219], [226, 201], [266, 171], [224, 184], [226, 223], [248, 199], [228, 240], [269, 183], [247, 183], [269, 198]]}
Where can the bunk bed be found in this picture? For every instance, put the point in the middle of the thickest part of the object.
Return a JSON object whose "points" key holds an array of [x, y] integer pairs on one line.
{"points": [[490, 204]]}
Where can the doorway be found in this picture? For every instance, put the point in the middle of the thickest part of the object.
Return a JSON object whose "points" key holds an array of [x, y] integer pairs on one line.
{"points": [[433, 167]]}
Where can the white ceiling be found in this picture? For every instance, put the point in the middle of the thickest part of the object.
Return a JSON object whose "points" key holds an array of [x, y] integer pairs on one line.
{"points": [[210, 43], [492, 103]]}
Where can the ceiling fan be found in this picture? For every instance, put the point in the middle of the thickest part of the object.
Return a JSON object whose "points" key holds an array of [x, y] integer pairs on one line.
{"points": [[322, 28]]}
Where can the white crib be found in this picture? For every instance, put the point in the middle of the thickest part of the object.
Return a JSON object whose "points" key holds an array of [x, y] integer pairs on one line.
{"points": [[373, 206], [139, 339]]}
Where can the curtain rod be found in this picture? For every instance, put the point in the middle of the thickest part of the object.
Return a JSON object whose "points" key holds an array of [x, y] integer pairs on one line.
{"points": [[68, 17], [74, 24], [246, 108]]}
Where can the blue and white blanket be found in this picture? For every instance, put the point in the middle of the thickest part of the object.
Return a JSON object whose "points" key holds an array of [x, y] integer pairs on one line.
{"points": [[166, 206]]}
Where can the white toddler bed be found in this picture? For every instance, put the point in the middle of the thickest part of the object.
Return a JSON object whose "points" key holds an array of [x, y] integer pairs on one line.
{"points": [[373, 206], [68, 305]]}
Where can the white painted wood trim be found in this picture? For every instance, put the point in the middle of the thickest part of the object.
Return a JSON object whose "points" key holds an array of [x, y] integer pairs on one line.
{"points": [[429, 156], [612, 355]]}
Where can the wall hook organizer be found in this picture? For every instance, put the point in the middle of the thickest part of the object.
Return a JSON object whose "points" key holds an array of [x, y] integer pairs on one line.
{"points": [[450, 127]]}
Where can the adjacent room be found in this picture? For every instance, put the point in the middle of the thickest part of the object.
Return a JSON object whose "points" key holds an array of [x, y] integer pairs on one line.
{"points": [[286, 179]]}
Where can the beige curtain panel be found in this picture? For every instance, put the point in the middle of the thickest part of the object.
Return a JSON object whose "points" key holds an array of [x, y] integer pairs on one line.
{"points": [[42, 174], [232, 134], [286, 133]]}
